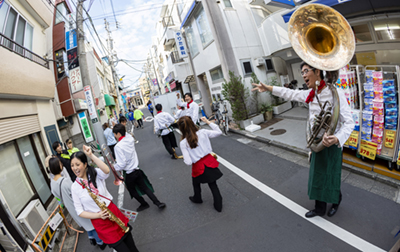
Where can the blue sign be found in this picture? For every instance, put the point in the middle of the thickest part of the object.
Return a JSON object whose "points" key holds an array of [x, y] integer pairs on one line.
{"points": [[71, 39], [1, 3], [280, 3]]}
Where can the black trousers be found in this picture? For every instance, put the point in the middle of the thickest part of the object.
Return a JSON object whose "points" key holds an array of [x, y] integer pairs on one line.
{"points": [[214, 190], [169, 142], [140, 122], [112, 150], [136, 178], [320, 206], [126, 245]]}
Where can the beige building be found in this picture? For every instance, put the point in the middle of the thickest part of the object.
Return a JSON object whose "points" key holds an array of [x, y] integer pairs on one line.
{"points": [[145, 88], [28, 124]]}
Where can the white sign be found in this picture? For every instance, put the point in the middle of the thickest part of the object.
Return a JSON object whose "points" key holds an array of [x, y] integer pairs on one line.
{"points": [[90, 104], [180, 44], [55, 221], [75, 80]]}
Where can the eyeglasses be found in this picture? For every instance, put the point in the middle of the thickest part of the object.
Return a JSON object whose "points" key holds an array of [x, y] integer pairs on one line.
{"points": [[306, 71]]}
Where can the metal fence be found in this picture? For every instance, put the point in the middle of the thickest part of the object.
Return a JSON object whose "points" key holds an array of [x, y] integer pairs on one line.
{"points": [[22, 51], [175, 57]]}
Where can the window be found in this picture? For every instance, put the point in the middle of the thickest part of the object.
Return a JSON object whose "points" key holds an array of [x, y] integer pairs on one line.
{"points": [[362, 33], [16, 28], [246, 67], [204, 28], [216, 75], [191, 41], [387, 30], [268, 65], [228, 3], [61, 13]]}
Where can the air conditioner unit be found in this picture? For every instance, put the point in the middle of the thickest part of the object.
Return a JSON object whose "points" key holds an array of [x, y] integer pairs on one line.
{"points": [[33, 218], [259, 62]]}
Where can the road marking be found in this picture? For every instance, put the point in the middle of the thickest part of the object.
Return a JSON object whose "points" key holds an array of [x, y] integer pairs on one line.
{"points": [[149, 119], [329, 227]]}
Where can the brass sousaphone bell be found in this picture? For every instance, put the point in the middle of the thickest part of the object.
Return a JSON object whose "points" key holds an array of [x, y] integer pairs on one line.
{"points": [[322, 38]]}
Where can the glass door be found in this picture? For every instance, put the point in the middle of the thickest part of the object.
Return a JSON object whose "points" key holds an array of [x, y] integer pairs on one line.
{"points": [[33, 168]]}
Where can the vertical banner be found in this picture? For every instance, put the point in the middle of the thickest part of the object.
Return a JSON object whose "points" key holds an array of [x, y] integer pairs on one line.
{"points": [[180, 44], [155, 83], [75, 80], [90, 103], [83, 121]]}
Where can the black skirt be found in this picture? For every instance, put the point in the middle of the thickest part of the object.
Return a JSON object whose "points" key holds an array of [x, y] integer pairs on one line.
{"points": [[209, 175]]}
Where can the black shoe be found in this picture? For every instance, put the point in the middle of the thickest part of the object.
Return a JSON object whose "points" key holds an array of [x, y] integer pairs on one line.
{"points": [[312, 213], [218, 207], [142, 207], [161, 205], [333, 211], [192, 199], [173, 157], [93, 242], [103, 246]]}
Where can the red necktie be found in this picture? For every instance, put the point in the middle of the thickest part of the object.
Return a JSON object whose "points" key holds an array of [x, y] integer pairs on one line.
{"points": [[311, 95]]}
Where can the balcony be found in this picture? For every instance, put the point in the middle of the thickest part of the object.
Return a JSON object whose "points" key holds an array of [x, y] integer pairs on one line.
{"points": [[175, 57], [24, 74]]}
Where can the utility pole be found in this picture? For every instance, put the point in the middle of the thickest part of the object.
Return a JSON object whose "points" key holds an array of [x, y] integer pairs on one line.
{"points": [[154, 68], [98, 131], [111, 62]]}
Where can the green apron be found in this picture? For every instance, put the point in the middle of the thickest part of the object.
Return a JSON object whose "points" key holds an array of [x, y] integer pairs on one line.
{"points": [[325, 175]]}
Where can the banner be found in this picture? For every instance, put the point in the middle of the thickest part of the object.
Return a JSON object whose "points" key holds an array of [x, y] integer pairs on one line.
{"points": [[75, 80], [83, 121], [180, 44], [90, 103]]}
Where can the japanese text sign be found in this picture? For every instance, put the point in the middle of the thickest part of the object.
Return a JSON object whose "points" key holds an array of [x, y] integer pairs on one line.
{"points": [[75, 80], [180, 44], [368, 149], [90, 103], [87, 133]]}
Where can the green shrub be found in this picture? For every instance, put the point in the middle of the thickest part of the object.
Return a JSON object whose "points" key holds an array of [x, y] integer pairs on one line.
{"points": [[237, 94]]}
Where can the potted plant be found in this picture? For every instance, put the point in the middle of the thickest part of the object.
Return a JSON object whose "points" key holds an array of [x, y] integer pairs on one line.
{"points": [[280, 106], [267, 110]]}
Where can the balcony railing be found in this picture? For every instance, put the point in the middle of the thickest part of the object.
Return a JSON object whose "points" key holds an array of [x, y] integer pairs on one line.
{"points": [[22, 51], [175, 57]]}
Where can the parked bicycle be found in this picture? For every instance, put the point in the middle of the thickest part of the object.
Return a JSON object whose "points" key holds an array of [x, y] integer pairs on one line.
{"points": [[221, 118]]}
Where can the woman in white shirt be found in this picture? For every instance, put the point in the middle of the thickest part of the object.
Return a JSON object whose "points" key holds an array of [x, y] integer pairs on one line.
{"points": [[61, 188], [326, 165], [196, 150], [94, 178]]}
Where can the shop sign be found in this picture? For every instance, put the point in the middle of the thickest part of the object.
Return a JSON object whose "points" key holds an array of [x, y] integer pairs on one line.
{"points": [[368, 149], [70, 22], [155, 83], [389, 138], [75, 80], [180, 44], [71, 39], [87, 133], [72, 56], [398, 158], [90, 103], [353, 139]]}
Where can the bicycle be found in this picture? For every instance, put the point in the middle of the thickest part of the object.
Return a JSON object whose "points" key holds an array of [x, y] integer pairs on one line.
{"points": [[221, 118]]}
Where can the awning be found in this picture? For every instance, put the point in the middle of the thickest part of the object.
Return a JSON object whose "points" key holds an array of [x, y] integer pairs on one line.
{"points": [[109, 100], [189, 13], [287, 16], [189, 79]]}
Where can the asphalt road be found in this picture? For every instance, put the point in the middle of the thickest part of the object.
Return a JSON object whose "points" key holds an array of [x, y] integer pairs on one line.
{"points": [[251, 220]]}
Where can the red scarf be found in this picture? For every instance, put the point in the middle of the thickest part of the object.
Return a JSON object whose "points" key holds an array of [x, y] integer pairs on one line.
{"points": [[159, 112], [189, 103], [122, 137], [311, 95], [91, 187]]}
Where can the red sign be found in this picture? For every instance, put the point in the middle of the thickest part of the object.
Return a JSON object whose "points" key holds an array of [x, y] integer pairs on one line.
{"points": [[172, 85]]}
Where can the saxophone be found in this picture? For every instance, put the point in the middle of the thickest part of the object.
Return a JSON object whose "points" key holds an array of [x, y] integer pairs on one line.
{"points": [[103, 206]]}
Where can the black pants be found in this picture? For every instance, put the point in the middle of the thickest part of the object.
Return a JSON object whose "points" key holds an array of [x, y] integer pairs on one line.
{"points": [[320, 206], [140, 123], [136, 178], [126, 245], [214, 190], [112, 150], [169, 142]]}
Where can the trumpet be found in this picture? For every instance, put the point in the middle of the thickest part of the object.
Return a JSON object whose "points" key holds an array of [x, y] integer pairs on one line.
{"points": [[110, 160], [103, 206]]}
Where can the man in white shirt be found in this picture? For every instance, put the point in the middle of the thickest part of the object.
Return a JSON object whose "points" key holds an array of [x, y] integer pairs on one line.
{"points": [[162, 126], [127, 160], [180, 112], [192, 108], [112, 121]]}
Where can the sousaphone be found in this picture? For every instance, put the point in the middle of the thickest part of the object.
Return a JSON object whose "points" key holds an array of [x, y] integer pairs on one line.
{"points": [[322, 38]]}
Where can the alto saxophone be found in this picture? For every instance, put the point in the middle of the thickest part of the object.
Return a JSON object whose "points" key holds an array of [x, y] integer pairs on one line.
{"points": [[103, 206]]}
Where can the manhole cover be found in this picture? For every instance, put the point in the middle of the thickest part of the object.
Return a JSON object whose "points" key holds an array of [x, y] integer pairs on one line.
{"points": [[278, 132]]}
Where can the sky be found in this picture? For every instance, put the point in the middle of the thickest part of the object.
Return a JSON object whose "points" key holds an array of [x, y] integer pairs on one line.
{"points": [[132, 40]]}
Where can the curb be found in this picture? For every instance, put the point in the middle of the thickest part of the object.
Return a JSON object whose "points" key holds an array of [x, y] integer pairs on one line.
{"points": [[369, 174]]}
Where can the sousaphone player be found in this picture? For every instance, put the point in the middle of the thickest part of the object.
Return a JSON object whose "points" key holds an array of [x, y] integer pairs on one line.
{"points": [[324, 40]]}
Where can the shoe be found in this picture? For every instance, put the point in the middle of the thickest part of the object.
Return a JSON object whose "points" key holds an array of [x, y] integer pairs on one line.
{"points": [[102, 246], [93, 242], [161, 205], [312, 213], [173, 157], [142, 207], [195, 201], [332, 211]]}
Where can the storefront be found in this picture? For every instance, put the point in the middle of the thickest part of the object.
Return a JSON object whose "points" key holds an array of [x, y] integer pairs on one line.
{"points": [[110, 106]]}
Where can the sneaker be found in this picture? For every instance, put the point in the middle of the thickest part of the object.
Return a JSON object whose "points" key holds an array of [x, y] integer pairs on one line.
{"points": [[142, 207], [161, 205], [102, 246]]}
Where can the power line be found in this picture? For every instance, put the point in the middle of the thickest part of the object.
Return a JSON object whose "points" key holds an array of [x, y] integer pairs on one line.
{"points": [[125, 12], [112, 7]]}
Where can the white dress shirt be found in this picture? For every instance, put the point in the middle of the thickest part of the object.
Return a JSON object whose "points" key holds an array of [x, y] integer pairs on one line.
{"points": [[345, 123], [191, 156], [192, 111], [125, 155], [109, 136], [180, 113], [160, 120], [82, 199]]}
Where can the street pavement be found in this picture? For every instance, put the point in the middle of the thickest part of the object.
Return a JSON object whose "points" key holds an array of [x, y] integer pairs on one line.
{"points": [[264, 192]]}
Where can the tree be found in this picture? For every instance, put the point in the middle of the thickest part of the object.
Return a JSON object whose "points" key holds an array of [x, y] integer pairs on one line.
{"points": [[254, 95], [237, 94]]}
